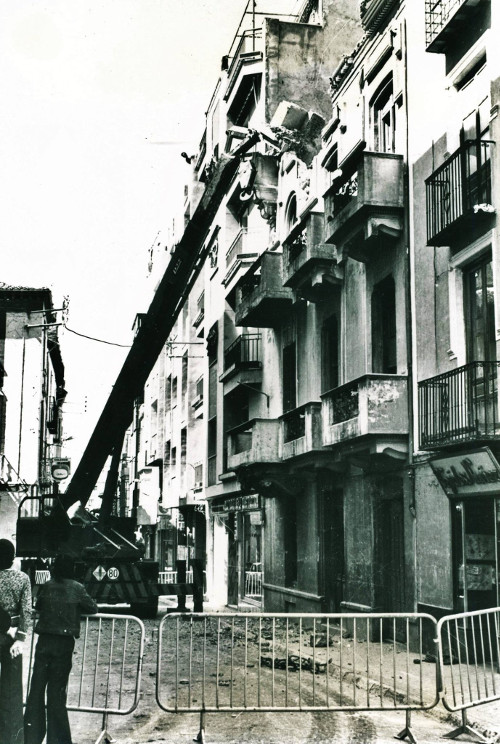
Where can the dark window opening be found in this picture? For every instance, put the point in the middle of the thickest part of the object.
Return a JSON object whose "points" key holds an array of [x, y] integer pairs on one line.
{"points": [[330, 354], [384, 354], [289, 377]]}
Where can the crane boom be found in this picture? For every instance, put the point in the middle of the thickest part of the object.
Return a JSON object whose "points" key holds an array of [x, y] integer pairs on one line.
{"points": [[180, 274]]}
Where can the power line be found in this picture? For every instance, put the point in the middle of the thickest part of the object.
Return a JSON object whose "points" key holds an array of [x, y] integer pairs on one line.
{"points": [[100, 340]]}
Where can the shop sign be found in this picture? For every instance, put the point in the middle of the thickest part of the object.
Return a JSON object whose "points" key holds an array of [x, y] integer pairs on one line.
{"points": [[60, 469], [242, 503], [471, 474]]}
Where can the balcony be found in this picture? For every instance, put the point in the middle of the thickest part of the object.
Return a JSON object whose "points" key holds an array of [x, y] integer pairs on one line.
{"points": [[243, 362], [248, 44], [364, 206], [458, 193], [372, 405], [460, 406], [301, 431], [309, 265], [447, 20], [262, 300], [252, 443]]}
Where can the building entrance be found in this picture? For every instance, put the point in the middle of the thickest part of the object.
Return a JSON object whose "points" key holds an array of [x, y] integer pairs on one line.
{"points": [[476, 553]]}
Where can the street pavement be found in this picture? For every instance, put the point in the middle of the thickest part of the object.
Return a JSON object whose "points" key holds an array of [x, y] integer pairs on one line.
{"points": [[150, 724]]}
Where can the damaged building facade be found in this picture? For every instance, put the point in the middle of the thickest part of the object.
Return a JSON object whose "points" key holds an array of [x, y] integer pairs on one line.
{"points": [[318, 420]]}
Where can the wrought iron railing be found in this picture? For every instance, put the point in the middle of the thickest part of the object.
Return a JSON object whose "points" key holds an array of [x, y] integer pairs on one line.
{"points": [[344, 402], [245, 351], [462, 184], [294, 424], [252, 280], [344, 194], [296, 245], [459, 406], [437, 15]]}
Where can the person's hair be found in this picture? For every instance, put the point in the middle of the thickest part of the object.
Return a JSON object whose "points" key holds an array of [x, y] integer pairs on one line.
{"points": [[63, 567], [7, 554]]}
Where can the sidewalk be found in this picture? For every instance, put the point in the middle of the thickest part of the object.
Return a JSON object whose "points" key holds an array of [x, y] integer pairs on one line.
{"points": [[484, 718]]}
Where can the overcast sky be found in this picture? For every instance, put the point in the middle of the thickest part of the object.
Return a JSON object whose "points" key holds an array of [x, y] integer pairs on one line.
{"points": [[98, 100]]}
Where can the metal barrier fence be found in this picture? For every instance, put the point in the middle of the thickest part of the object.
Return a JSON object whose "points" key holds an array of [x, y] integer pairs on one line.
{"points": [[469, 662], [170, 577], [209, 662], [107, 664]]}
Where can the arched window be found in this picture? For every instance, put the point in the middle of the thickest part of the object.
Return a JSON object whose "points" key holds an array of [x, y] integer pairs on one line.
{"points": [[291, 211]]}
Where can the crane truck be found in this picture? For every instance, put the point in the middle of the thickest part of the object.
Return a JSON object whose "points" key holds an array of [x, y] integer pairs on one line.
{"points": [[109, 562]]}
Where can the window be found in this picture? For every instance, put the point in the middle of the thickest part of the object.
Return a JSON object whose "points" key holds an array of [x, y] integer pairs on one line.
{"points": [[289, 377], [212, 452], [174, 392], [384, 114], [198, 475], [384, 356], [480, 312], [168, 393], [330, 353], [291, 212], [184, 373]]}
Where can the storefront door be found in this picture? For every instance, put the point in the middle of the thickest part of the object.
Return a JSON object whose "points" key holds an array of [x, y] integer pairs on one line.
{"points": [[476, 553], [252, 556]]}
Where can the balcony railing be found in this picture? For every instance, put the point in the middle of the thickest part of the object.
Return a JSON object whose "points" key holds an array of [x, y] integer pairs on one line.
{"points": [[235, 248], [375, 404], [255, 441], [244, 352], [459, 406], [301, 430], [297, 245], [262, 300], [459, 188], [294, 424], [442, 16]]}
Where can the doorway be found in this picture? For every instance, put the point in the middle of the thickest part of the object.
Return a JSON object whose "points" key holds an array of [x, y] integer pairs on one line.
{"points": [[331, 514]]}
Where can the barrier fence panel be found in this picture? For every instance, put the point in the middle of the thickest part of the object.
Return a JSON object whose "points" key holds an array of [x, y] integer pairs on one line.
{"points": [[107, 664], [210, 662], [469, 662]]}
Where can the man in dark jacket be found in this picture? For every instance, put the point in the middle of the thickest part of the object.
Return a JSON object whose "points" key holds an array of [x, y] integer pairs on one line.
{"points": [[60, 603]]}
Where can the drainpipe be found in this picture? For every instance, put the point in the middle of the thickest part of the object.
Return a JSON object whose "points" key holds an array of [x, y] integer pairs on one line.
{"points": [[409, 313]]}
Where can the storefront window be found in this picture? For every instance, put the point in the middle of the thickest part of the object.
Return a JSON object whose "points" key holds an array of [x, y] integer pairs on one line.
{"points": [[252, 551], [478, 570]]}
